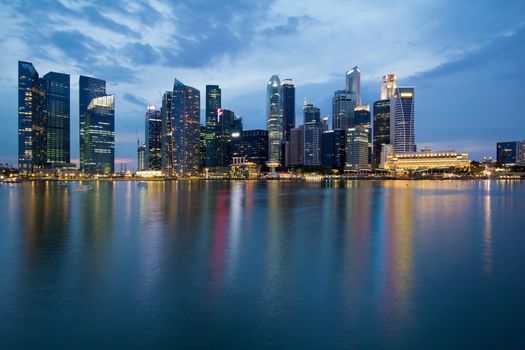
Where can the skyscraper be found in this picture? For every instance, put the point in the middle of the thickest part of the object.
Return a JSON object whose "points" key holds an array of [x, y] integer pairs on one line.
{"points": [[363, 118], [343, 106], [353, 84], [274, 119], [153, 137], [510, 153], [288, 106], [402, 120], [297, 146], [166, 148], [58, 118], [88, 89], [252, 144], [32, 119], [313, 130], [333, 149], [186, 129], [357, 148], [228, 125], [388, 86], [213, 104], [99, 136], [381, 128]]}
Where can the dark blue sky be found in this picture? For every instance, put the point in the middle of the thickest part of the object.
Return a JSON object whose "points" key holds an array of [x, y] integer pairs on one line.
{"points": [[466, 59]]}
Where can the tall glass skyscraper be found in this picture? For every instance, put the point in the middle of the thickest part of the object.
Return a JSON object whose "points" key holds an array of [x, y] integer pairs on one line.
{"points": [[381, 128], [213, 104], [166, 149], [357, 148], [313, 130], [345, 101], [402, 135], [333, 149], [288, 106], [32, 119], [58, 118], [153, 137], [229, 126], [186, 129], [274, 119], [353, 83], [99, 136], [88, 89], [388, 86]]}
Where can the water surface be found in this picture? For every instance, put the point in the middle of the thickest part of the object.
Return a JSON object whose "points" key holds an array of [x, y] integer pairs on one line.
{"points": [[247, 265]]}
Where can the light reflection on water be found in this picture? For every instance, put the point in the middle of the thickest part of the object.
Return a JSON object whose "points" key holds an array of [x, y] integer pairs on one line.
{"points": [[366, 264]]}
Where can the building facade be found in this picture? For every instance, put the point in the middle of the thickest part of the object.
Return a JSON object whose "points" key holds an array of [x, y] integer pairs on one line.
{"points": [[313, 130], [186, 129], [88, 89], [343, 106], [333, 149], [297, 146], [357, 149], [252, 145], [58, 118], [510, 153], [288, 106], [153, 137], [228, 126], [32, 119], [388, 86], [213, 105], [402, 134], [426, 160], [99, 136], [381, 129], [274, 119], [166, 148]]}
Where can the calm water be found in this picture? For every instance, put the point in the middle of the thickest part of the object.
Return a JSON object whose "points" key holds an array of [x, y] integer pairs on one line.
{"points": [[415, 265]]}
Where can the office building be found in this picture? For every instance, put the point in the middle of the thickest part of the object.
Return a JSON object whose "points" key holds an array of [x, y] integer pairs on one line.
{"points": [[252, 145], [228, 126], [510, 153], [141, 150], [313, 130], [402, 120], [166, 148], [353, 84], [357, 149], [88, 89], [57, 87], [381, 129], [297, 146], [343, 106], [274, 119], [99, 136], [186, 129], [288, 107], [213, 105], [32, 119], [363, 118], [153, 137], [388, 86], [333, 149]]}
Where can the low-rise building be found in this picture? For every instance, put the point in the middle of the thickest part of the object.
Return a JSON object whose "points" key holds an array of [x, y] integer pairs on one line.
{"points": [[427, 159]]}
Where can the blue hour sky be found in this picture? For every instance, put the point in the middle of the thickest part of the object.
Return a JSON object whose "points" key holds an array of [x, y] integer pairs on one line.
{"points": [[466, 59]]}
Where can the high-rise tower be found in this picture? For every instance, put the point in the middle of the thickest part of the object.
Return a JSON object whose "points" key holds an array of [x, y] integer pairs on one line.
{"points": [[58, 118], [213, 104], [402, 135], [274, 119], [88, 89], [388, 86], [288, 106], [153, 137]]}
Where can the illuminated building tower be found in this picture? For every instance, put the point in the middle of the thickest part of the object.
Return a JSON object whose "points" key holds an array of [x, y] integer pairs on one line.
{"points": [[88, 89], [297, 146], [510, 153], [333, 149], [381, 128], [186, 129], [402, 120], [213, 104], [153, 131], [343, 105], [313, 130], [362, 117], [288, 106], [32, 119], [58, 118], [353, 84], [345, 101], [274, 119], [166, 149], [203, 145], [388, 86], [99, 136], [229, 126], [141, 164], [251, 144], [357, 149]]}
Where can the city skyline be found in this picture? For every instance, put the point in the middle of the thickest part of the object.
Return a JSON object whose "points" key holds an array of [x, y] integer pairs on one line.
{"points": [[460, 123]]}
